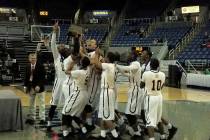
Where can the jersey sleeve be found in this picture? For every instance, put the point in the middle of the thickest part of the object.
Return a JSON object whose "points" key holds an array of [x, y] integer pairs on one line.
{"points": [[131, 67], [54, 47]]}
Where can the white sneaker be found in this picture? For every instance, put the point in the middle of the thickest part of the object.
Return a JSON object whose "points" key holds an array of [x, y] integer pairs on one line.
{"points": [[84, 130]]}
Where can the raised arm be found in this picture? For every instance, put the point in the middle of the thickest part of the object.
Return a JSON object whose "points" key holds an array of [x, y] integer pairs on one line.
{"points": [[96, 61], [53, 42], [125, 70]]}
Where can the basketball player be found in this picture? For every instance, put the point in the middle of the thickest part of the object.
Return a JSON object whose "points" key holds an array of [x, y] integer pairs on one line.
{"points": [[146, 57], [93, 84], [68, 83], [135, 96], [59, 54], [153, 82], [107, 100], [75, 103]]}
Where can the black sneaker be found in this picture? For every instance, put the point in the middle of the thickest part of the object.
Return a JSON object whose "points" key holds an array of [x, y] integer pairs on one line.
{"points": [[172, 132]]}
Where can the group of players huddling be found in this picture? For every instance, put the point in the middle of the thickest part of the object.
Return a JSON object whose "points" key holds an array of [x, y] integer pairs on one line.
{"points": [[85, 83]]}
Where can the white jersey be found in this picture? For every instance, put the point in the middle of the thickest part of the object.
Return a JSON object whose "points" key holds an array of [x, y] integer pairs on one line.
{"points": [[134, 72], [154, 81], [80, 79], [135, 96], [75, 103], [58, 60], [66, 64], [145, 67], [93, 83], [108, 75]]}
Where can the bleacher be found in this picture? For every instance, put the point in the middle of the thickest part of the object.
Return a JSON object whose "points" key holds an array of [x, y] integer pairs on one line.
{"points": [[195, 51], [172, 32], [96, 32], [129, 33], [63, 32]]}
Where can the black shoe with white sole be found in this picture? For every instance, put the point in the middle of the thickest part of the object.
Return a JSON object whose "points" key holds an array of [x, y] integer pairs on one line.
{"points": [[172, 132]]}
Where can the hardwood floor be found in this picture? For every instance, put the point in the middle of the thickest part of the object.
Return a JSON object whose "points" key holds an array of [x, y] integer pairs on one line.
{"points": [[169, 93]]}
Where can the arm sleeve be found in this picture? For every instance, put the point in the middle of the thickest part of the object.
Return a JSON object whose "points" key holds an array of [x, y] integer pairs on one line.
{"points": [[122, 70], [54, 47], [127, 68]]}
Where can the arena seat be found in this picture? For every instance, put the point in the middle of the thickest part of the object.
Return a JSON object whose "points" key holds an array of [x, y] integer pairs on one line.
{"points": [[97, 33], [63, 32], [171, 32], [195, 50]]}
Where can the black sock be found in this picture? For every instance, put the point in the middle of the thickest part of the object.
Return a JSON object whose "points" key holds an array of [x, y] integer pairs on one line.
{"points": [[51, 112]]}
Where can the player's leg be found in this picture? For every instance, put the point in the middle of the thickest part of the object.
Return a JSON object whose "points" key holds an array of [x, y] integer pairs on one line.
{"points": [[110, 125], [103, 130], [66, 117], [41, 100], [92, 106], [151, 132], [109, 112], [56, 96], [171, 128], [80, 124], [66, 123], [132, 120], [150, 116], [87, 117]]}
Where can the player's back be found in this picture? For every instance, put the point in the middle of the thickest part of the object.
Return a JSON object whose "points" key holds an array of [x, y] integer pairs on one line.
{"points": [[135, 75], [108, 75], [80, 79], [154, 81]]}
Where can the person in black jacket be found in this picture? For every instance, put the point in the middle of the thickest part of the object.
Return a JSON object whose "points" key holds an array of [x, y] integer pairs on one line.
{"points": [[34, 86]]}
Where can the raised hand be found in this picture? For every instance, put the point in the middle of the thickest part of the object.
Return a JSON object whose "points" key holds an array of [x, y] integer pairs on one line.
{"points": [[55, 27]]}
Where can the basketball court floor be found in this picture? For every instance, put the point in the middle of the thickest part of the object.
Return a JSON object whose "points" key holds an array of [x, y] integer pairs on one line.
{"points": [[186, 108]]}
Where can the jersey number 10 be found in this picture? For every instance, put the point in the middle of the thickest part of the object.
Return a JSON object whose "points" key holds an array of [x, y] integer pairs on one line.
{"points": [[156, 85]]}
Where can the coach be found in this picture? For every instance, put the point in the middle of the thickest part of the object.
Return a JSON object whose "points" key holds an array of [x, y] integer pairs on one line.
{"points": [[34, 86]]}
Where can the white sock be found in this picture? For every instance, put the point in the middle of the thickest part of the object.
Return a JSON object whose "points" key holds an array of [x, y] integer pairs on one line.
{"points": [[103, 133], [152, 138], [84, 130], [114, 133], [162, 136], [89, 121], [65, 132], [49, 123], [169, 126]]}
